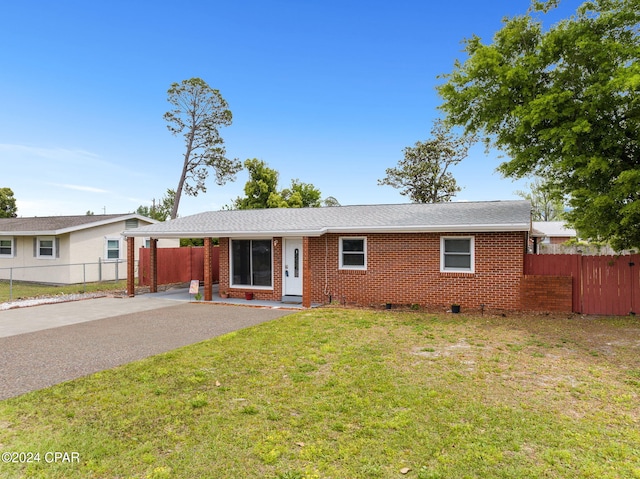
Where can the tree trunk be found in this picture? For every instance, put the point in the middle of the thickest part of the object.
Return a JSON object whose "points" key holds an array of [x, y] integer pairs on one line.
{"points": [[183, 177]]}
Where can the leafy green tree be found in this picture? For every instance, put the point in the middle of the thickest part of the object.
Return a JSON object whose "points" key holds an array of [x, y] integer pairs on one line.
{"points": [[564, 104], [330, 201], [8, 208], [424, 173], [261, 190], [160, 211], [301, 195], [198, 112], [546, 201]]}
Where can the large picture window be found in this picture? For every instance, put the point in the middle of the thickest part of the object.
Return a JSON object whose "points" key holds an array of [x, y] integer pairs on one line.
{"points": [[457, 254], [251, 263], [353, 253]]}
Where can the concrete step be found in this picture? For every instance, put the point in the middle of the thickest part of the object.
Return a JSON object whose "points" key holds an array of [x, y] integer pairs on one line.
{"points": [[292, 299]]}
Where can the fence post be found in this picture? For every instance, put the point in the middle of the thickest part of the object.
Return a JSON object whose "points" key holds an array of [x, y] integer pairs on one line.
{"points": [[99, 270], [580, 259], [117, 263], [84, 277], [10, 284]]}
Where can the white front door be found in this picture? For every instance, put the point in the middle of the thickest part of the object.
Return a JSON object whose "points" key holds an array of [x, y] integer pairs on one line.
{"points": [[292, 267]]}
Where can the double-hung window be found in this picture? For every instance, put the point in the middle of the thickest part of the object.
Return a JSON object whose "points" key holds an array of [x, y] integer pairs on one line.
{"points": [[46, 247], [353, 253], [6, 248], [251, 263], [112, 248], [457, 254]]}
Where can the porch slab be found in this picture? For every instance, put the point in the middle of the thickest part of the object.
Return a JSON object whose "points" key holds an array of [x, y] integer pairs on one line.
{"points": [[182, 294]]}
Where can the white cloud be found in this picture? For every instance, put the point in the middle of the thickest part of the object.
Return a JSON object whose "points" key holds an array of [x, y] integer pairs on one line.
{"points": [[89, 189], [58, 154]]}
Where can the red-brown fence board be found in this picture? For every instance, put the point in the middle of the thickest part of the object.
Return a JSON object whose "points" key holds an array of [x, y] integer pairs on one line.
{"points": [[557, 265], [610, 284], [601, 284], [178, 265]]}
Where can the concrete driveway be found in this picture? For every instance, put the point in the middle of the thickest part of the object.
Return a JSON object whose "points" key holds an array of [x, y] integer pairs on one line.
{"points": [[71, 340]]}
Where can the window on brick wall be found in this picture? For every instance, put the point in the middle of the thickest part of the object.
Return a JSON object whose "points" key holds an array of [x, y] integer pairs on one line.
{"points": [[353, 253], [251, 263], [457, 254]]}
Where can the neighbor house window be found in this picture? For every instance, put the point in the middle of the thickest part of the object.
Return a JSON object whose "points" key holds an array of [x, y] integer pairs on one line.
{"points": [[456, 254], [353, 253], [112, 248], [251, 263], [46, 247], [6, 247]]}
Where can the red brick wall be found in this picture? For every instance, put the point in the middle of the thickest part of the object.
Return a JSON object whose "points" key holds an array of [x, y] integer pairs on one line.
{"points": [[402, 269], [559, 240], [274, 294], [405, 269], [547, 293]]}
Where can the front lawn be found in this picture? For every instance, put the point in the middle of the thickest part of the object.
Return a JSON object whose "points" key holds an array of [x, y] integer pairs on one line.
{"points": [[333, 393], [23, 289]]}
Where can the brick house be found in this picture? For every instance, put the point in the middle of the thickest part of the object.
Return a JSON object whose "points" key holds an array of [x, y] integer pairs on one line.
{"points": [[544, 233], [469, 253]]}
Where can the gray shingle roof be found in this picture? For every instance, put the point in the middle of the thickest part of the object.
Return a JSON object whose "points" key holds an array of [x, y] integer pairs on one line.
{"points": [[551, 229], [441, 217], [54, 225]]}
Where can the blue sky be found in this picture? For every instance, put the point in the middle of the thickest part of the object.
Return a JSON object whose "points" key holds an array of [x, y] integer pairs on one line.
{"points": [[328, 92]]}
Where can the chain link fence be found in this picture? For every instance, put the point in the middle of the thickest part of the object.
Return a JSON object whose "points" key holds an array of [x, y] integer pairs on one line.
{"points": [[79, 274]]}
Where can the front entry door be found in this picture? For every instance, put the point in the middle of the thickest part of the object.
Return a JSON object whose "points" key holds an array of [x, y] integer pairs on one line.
{"points": [[292, 267]]}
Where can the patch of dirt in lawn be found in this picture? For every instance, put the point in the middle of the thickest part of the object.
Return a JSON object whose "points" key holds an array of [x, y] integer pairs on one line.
{"points": [[573, 364]]}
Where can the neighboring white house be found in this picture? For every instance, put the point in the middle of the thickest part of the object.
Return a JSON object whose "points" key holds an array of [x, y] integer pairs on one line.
{"points": [[68, 249]]}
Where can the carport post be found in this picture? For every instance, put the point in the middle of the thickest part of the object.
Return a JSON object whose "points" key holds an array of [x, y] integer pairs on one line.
{"points": [[131, 258], [153, 269], [306, 274], [208, 280]]}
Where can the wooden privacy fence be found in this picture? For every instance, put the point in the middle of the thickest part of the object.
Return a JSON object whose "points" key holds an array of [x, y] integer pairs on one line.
{"points": [[178, 265], [601, 284]]}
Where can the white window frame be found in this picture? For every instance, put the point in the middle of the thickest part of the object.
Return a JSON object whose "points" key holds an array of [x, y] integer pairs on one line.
{"points": [[106, 248], [12, 246], [364, 252], [471, 253], [39, 239]]}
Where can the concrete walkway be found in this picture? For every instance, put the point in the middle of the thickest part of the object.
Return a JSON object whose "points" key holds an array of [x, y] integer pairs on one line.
{"points": [[45, 345]]}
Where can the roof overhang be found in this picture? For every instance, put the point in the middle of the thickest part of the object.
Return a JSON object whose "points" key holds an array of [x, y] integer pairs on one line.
{"points": [[84, 226], [483, 228]]}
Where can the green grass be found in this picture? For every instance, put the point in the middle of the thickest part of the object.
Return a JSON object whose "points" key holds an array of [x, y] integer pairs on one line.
{"points": [[334, 393], [22, 289]]}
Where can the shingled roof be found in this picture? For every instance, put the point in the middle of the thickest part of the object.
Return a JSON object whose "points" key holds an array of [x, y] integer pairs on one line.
{"points": [[440, 217], [56, 225]]}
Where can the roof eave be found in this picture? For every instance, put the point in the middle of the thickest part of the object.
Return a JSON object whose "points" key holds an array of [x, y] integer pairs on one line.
{"points": [[29, 233], [84, 226], [519, 227]]}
